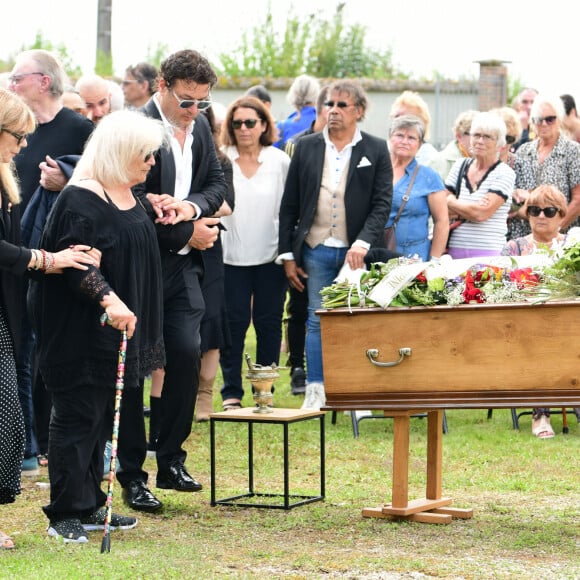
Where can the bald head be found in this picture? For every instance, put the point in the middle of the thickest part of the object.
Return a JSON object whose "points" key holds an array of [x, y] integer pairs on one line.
{"points": [[96, 93]]}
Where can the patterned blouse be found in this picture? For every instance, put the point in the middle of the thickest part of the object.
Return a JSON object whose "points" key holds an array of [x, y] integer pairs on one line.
{"points": [[561, 168]]}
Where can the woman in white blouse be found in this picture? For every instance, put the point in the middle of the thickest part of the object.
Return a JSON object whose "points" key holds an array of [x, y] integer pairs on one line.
{"points": [[255, 285]]}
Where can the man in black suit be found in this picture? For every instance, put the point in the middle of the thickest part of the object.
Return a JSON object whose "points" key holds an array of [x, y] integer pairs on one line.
{"points": [[189, 171], [335, 206]]}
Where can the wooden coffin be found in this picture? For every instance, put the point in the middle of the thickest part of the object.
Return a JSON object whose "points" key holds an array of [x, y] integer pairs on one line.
{"points": [[468, 356]]}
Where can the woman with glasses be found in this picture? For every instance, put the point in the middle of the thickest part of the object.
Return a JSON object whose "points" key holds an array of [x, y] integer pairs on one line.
{"points": [[255, 286], [480, 192], [16, 122], [546, 209], [424, 189], [551, 159], [78, 353]]}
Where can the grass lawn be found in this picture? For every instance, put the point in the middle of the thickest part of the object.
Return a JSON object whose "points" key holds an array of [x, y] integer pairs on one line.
{"points": [[525, 493]]}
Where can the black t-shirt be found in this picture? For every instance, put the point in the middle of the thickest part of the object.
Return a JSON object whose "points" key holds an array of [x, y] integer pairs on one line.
{"points": [[66, 134]]}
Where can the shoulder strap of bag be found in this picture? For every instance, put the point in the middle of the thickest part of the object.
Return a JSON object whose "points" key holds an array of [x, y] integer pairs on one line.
{"points": [[460, 175], [406, 196]]}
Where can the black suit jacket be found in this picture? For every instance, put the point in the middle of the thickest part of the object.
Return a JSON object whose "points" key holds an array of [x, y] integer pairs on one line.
{"points": [[207, 190], [368, 194]]}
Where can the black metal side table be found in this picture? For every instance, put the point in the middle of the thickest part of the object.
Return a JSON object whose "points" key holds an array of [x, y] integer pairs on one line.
{"points": [[283, 417]]}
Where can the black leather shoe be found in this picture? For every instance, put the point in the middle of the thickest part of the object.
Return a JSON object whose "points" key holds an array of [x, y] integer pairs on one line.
{"points": [[138, 497], [178, 479]]}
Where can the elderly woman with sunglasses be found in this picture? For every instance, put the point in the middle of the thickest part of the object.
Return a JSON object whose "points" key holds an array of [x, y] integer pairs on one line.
{"points": [[550, 159], [480, 192], [546, 209], [255, 286]]}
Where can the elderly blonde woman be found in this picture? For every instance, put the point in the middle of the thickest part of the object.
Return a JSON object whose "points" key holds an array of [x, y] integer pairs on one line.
{"points": [[412, 103], [550, 159], [426, 197], [480, 192]]}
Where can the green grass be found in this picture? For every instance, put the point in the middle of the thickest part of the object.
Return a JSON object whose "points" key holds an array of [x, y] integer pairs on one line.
{"points": [[525, 493]]}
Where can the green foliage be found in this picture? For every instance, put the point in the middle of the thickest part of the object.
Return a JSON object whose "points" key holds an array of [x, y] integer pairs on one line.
{"points": [[156, 54], [104, 65], [72, 69], [316, 46]]}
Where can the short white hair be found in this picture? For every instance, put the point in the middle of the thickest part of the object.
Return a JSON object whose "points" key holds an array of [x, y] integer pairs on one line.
{"points": [[491, 123]]}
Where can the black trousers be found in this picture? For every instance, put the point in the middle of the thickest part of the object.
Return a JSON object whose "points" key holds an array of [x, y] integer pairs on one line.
{"points": [[183, 311], [80, 418], [297, 310], [132, 447]]}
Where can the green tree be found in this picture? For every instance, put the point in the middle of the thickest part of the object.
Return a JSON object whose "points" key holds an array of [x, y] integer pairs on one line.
{"points": [[72, 69], [316, 46]]}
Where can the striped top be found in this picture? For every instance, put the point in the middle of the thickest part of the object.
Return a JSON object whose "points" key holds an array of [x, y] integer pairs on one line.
{"points": [[489, 235]]}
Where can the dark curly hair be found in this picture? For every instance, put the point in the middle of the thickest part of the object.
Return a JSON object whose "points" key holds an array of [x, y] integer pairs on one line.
{"points": [[187, 65]]}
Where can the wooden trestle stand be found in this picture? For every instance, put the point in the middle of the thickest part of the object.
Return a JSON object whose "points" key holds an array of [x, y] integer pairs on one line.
{"points": [[433, 509], [406, 361]]}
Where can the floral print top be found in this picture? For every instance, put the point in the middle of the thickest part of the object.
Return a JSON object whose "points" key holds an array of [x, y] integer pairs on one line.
{"points": [[561, 168]]}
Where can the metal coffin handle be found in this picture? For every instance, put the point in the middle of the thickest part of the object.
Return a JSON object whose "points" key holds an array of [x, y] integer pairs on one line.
{"points": [[373, 353]]}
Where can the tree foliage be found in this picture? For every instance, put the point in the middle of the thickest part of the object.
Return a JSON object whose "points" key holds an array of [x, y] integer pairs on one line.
{"points": [[60, 50], [316, 46]]}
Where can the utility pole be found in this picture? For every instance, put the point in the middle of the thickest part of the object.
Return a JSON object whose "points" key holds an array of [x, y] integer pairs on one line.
{"points": [[104, 63]]}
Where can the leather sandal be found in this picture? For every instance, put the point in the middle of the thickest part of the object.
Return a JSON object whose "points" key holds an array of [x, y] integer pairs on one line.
{"points": [[232, 405], [541, 428], [6, 542]]}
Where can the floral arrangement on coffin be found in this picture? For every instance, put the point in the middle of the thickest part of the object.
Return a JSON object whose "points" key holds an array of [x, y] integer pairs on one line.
{"points": [[480, 283], [549, 274]]}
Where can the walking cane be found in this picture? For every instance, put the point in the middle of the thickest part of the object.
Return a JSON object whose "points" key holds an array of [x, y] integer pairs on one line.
{"points": [[106, 542]]}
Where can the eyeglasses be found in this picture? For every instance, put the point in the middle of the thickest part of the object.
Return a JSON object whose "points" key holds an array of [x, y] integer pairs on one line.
{"points": [[18, 136], [550, 120], [402, 137], [249, 123], [535, 211], [339, 104], [149, 156], [15, 79], [187, 103], [483, 137], [130, 82], [509, 139]]}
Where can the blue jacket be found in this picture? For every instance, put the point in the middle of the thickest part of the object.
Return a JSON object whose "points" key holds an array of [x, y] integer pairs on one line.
{"points": [[41, 203]]}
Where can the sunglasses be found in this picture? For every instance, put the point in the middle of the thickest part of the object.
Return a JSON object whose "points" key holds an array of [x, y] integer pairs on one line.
{"points": [[19, 138], [187, 103], [535, 211], [249, 123], [339, 104], [509, 139], [149, 156], [550, 120]]}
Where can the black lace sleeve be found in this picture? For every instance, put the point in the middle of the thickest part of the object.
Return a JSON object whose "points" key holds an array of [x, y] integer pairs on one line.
{"points": [[93, 285]]}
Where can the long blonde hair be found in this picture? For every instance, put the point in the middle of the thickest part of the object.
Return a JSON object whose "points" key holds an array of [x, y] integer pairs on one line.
{"points": [[16, 116]]}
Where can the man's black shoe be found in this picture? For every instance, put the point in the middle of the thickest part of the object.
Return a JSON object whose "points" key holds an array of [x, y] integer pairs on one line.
{"points": [[138, 497], [298, 381], [178, 479]]}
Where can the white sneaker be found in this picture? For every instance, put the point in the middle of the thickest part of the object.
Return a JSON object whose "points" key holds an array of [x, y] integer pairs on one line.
{"points": [[321, 395], [315, 397], [361, 414]]}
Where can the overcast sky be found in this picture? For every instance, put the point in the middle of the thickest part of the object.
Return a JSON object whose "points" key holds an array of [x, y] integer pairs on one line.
{"points": [[447, 36]]}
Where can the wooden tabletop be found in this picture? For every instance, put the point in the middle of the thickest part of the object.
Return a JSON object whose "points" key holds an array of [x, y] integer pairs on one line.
{"points": [[277, 415]]}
